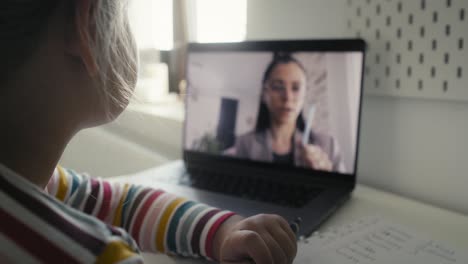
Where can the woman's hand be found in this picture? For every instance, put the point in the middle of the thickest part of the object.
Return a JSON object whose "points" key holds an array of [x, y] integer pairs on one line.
{"points": [[314, 157], [260, 239]]}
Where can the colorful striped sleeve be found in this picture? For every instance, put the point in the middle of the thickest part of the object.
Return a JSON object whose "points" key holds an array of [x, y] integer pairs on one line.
{"points": [[36, 228], [158, 221]]}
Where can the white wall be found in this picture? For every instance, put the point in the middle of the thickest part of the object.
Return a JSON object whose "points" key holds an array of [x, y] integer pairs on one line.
{"points": [[413, 147], [279, 19], [417, 148]]}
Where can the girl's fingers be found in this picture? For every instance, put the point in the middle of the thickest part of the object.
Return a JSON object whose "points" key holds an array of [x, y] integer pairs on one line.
{"points": [[245, 245], [289, 232], [287, 246], [276, 248]]}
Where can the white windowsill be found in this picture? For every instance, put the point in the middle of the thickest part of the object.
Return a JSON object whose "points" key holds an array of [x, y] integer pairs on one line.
{"points": [[144, 136], [170, 107], [155, 126]]}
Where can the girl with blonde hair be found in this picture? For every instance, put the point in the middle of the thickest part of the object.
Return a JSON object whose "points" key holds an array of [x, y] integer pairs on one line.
{"points": [[70, 65]]}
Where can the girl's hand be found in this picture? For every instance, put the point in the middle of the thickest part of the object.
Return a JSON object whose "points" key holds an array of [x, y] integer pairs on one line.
{"points": [[314, 157], [260, 239]]}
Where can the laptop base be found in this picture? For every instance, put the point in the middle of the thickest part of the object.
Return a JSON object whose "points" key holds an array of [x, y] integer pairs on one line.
{"points": [[315, 212]]}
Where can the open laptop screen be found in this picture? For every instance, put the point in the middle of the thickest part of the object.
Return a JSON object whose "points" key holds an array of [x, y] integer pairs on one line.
{"points": [[299, 108]]}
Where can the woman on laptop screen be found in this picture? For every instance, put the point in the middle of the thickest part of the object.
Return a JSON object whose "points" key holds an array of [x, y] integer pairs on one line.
{"points": [[281, 133]]}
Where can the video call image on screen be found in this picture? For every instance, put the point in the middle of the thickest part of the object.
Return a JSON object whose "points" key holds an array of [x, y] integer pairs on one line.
{"points": [[296, 108]]}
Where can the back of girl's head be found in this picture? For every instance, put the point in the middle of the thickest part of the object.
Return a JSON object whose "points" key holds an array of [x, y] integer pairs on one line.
{"points": [[23, 22], [21, 25], [263, 119]]}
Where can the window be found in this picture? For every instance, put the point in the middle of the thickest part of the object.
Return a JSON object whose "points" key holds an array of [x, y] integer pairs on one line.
{"points": [[217, 20], [152, 23]]}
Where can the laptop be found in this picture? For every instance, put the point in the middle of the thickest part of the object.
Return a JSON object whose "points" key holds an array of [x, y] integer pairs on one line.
{"points": [[273, 126]]}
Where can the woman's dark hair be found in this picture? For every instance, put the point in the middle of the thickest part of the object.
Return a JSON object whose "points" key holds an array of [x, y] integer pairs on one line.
{"points": [[263, 119]]}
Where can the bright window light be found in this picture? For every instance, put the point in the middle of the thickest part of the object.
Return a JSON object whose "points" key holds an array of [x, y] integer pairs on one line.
{"points": [[151, 23], [220, 20]]}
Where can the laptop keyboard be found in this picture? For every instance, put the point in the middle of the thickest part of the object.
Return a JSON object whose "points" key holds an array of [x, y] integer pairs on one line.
{"points": [[290, 195]]}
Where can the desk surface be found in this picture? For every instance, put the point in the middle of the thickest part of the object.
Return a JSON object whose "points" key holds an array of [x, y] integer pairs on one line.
{"points": [[433, 222]]}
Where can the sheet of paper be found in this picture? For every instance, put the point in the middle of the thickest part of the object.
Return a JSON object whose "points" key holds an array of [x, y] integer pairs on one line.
{"points": [[373, 240]]}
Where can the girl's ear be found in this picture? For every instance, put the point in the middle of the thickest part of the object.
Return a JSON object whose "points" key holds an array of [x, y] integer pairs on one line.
{"points": [[82, 34]]}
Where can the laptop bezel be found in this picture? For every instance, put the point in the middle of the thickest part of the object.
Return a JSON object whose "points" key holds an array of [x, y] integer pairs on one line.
{"points": [[216, 162]]}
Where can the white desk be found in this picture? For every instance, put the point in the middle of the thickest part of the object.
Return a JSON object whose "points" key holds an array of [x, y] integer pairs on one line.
{"points": [[437, 223]]}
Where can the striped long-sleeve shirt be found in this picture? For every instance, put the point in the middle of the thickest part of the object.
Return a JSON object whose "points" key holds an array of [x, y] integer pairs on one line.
{"points": [[36, 227]]}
